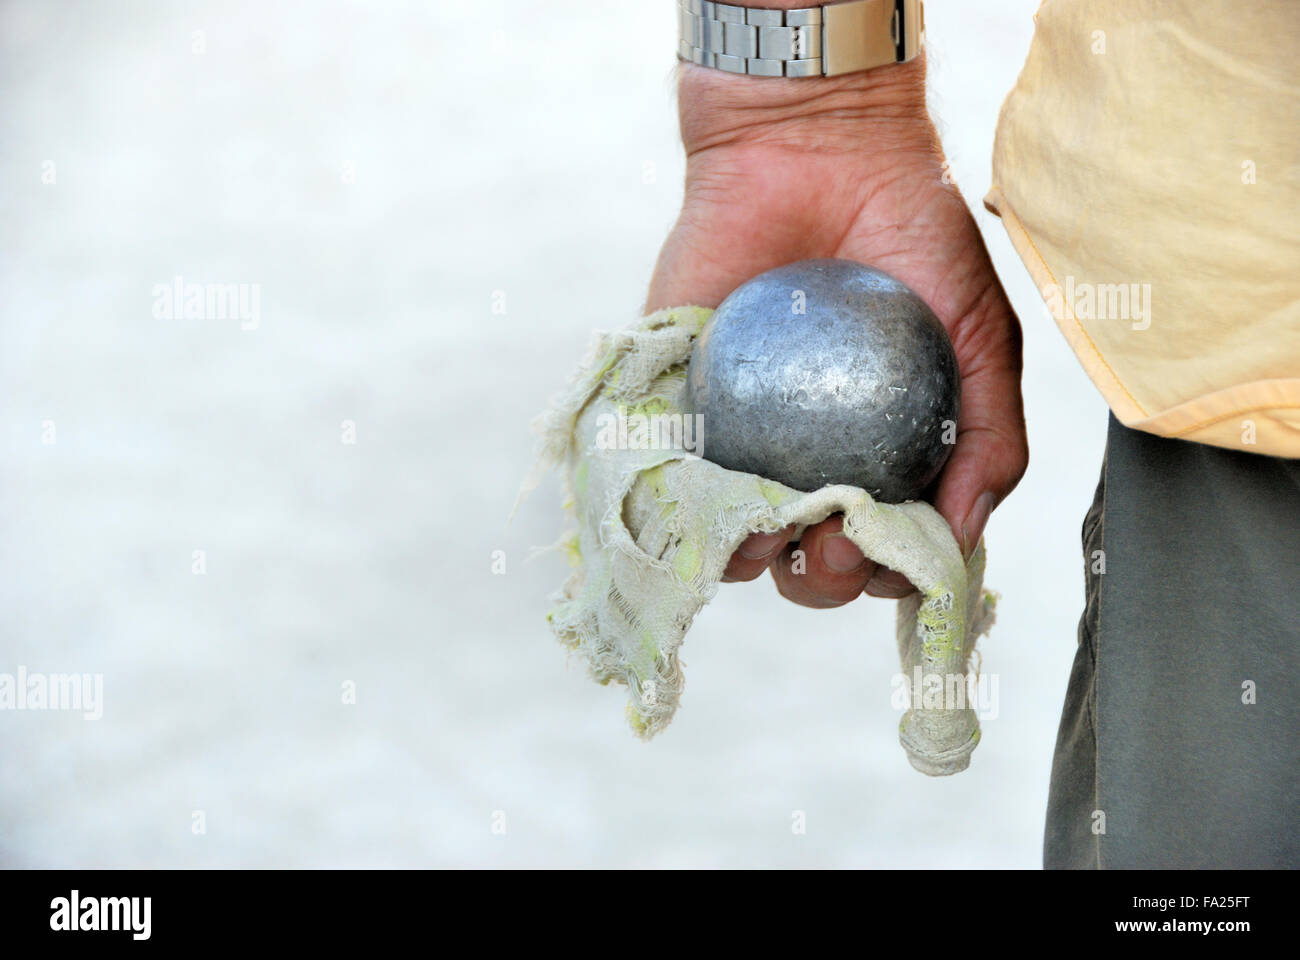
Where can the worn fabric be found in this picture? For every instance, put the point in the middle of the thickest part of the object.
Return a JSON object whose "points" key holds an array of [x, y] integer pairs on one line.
{"points": [[655, 526], [1145, 170], [1179, 744]]}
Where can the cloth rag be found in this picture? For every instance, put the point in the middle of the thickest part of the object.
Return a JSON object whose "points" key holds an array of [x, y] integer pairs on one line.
{"points": [[655, 525]]}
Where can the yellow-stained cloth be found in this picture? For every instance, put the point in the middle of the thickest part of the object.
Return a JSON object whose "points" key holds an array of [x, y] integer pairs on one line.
{"points": [[656, 525], [1147, 170]]}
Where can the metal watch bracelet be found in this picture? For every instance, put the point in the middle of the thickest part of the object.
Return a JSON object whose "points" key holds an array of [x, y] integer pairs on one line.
{"points": [[822, 41]]}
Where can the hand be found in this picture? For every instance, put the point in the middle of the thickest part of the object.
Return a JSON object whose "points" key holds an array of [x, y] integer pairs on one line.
{"points": [[850, 167]]}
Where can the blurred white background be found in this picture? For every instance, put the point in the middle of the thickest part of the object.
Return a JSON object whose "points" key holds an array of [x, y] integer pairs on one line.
{"points": [[382, 171]]}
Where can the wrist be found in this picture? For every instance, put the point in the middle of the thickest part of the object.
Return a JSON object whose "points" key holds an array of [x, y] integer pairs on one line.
{"points": [[717, 108]]}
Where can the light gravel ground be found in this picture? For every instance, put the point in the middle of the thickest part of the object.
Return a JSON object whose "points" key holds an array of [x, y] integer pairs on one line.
{"points": [[380, 177]]}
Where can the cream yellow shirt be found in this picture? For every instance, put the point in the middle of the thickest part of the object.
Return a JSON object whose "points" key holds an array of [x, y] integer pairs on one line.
{"points": [[1147, 170]]}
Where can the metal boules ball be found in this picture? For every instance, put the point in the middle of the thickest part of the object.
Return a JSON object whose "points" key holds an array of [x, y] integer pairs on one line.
{"points": [[827, 372]]}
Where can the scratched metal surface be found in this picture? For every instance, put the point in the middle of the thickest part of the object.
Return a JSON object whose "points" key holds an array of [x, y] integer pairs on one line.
{"points": [[827, 372]]}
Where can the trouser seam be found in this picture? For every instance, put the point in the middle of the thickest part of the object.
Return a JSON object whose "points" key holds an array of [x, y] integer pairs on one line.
{"points": [[1096, 671]]}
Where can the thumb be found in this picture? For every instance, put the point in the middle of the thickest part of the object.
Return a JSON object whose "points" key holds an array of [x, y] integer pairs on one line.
{"points": [[988, 460]]}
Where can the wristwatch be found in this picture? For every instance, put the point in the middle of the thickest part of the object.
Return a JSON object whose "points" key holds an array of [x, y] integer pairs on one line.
{"points": [[820, 41]]}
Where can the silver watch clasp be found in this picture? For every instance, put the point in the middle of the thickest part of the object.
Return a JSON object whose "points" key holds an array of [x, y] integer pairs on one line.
{"points": [[828, 40], [864, 34]]}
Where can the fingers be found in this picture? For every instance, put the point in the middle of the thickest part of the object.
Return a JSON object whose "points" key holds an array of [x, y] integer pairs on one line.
{"points": [[888, 584], [824, 569], [984, 468], [755, 555]]}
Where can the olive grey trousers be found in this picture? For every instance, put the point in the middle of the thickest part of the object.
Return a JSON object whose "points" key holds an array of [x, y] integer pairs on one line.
{"points": [[1179, 744]]}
